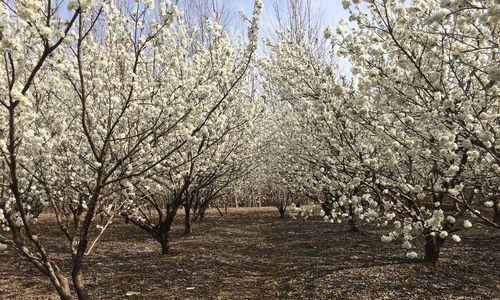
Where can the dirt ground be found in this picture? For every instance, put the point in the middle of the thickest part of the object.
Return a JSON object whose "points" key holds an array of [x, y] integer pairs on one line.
{"points": [[253, 254]]}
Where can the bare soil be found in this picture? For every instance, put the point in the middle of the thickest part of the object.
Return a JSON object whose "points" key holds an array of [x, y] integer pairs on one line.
{"points": [[253, 254]]}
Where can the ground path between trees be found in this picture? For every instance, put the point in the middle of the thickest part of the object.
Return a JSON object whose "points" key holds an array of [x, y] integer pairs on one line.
{"points": [[253, 254]]}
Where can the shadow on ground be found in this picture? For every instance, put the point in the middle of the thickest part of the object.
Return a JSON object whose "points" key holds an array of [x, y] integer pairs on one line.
{"points": [[253, 254]]}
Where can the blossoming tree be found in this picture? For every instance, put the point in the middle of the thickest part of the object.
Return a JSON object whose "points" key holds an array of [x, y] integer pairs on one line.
{"points": [[129, 90], [217, 129], [410, 143]]}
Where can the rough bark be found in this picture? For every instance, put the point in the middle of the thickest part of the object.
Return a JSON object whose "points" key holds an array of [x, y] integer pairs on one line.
{"points": [[202, 214], [165, 248], [352, 222], [187, 219], [282, 211], [432, 248], [496, 209], [327, 208], [165, 227], [62, 288], [78, 284]]}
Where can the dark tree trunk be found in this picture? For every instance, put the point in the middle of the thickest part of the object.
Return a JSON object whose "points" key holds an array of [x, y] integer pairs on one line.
{"points": [[163, 236], [282, 211], [201, 213], [165, 226], [76, 272], [432, 248], [327, 208], [352, 222], [187, 219], [220, 213], [496, 209], [165, 248], [79, 285]]}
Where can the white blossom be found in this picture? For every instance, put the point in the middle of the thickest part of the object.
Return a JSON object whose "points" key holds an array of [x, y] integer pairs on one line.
{"points": [[467, 224], [443, 234]]}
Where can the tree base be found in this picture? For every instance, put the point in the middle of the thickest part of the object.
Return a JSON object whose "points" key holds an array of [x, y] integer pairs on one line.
{"points": [[432, 248]]}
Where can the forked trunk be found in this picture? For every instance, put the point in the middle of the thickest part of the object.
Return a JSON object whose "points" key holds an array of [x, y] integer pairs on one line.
{"points": [[282, 211], [64, 294], [76, 272], [62, 287], [164, 234]]}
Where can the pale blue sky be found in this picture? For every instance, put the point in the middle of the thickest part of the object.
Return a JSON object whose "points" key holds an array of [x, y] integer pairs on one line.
{"points": [[331, 10]]}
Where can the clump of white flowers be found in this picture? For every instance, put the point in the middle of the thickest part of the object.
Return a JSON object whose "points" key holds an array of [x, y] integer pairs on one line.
{"points": [[489, 204], [443, 234], [436, 220], [172, 104], [328, 32], [467, 224], [304, 211], [392, 131]]}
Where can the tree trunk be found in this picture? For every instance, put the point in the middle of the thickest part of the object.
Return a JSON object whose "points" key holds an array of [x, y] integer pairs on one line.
{"points": [[76, 272], [187, 219], [201, 213], [78, 284], [496, 209], [352, 222], [165, 226], [432, 247], [195, 217], [165, 248], [62, 287], [282, 211], [327, 208]]}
